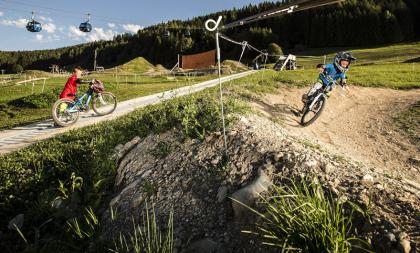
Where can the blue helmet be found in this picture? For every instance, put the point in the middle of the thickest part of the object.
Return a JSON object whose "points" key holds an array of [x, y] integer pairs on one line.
{"points": [[343, 56]]}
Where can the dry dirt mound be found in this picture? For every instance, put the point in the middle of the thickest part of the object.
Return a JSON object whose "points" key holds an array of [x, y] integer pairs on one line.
{"points": [[357, 123], [138, 64], [192, 178]]}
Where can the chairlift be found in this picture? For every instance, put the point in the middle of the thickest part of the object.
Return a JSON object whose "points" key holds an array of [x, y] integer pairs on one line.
{"points": [[33, 25], [86, 26]]}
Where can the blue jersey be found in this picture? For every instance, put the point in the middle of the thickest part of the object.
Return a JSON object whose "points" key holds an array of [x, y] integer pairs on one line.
{"points": [[332, 74]]}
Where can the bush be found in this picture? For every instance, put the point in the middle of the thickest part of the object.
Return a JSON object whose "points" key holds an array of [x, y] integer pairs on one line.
{"points": [[275, 49], [37, 101]]}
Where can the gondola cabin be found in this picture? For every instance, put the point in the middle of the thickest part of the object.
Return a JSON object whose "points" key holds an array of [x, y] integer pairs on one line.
{"points": [[34, 26], [85, 27]]}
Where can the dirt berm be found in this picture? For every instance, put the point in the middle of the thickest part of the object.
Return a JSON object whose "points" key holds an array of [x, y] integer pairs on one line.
{"points": [[191, 178]]}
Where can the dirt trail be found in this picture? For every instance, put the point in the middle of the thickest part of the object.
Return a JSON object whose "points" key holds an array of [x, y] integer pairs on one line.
{"points": [[357, 123]]}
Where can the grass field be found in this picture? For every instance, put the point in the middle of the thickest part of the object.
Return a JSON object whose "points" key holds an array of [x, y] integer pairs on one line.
{"points": [[124, 86], [395, 66], [397, 53], [387, 75]]}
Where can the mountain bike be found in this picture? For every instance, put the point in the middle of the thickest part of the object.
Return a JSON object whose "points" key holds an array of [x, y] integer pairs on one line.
{"points": [[314, 103], [66, 112]]}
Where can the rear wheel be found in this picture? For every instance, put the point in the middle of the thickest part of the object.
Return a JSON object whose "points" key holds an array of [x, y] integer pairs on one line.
{"points": [[61, 114], [310, 115], [104, 103]]}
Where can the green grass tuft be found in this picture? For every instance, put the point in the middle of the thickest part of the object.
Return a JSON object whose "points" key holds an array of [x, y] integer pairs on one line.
{"points": [[299, 218], [147, 237]]}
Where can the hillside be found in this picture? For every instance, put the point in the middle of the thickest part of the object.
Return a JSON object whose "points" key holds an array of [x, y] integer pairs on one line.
{"points": [[193, 179]]}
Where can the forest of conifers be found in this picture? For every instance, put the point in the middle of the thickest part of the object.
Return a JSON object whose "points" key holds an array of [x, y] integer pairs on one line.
{"points": [[350, 24]]}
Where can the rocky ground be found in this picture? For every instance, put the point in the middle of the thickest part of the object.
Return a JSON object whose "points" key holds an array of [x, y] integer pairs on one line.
{"points": [[193, 179]]}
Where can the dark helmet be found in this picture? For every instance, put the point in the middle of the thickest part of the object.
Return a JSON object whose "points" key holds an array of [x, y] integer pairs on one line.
{"points": [[343, 56]]}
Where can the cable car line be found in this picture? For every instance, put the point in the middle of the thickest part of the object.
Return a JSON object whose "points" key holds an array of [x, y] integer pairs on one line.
{"points": [[97, 17], [295, 6]]}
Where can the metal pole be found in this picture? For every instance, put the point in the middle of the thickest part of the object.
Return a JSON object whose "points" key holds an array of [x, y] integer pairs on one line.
{"points": [[265, 63], [325, 59], [94, 62], [43, 85], [33, 85], [221, 91]]}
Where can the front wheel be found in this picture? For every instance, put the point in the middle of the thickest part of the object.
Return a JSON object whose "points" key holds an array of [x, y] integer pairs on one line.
{"points": [[310, 115], [62, 115], [104, 103]]}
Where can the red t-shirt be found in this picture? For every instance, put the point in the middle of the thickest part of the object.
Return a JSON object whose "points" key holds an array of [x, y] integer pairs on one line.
{"points": [[70, 88]]}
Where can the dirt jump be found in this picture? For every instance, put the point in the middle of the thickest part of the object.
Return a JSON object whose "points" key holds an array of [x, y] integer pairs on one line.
{"points": [[358, 123]]}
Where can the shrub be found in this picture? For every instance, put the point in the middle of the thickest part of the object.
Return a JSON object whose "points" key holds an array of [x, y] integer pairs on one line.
{"points": [[36, 101]]}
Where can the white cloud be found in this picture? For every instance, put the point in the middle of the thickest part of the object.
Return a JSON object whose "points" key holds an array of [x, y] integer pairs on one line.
{"points": [[49, 27], [111, 25], [20, 23], [45, 19], [75, 33], [39, 37], [101, 34], [53, 37], [132, 28], [46, 39], [1, 13]]}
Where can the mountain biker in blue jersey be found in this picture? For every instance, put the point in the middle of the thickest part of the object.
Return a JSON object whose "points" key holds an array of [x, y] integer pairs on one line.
{"points": [[331, 73]]}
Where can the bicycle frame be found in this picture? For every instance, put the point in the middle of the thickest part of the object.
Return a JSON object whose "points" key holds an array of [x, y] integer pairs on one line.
{"points": [[316, 99], [79, 102]]}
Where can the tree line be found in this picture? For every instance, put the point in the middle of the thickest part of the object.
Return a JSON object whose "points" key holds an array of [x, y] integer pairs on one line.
{"points": [[349, 24]]}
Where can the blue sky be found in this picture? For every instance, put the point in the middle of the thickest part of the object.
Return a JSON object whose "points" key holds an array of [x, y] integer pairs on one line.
{"points": [[61, 18]]}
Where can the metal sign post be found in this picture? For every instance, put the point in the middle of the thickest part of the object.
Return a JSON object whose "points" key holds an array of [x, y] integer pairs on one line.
{"points": [[215, 28]]}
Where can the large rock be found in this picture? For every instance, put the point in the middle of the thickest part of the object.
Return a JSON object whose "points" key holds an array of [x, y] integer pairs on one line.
{"points": [[247, 195], [367, 180], [404, 243], [121, 150]]}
